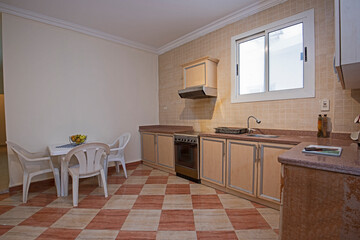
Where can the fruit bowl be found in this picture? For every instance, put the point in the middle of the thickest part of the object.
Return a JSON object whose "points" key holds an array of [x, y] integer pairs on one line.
{"points": [[77, 139]]}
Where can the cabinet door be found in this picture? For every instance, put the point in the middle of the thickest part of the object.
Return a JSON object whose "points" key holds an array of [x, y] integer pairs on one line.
{"points": [[270, 171], [148, 150], [350, 31], [195, 75], [165, 151], [213, 160], [241, 166]]}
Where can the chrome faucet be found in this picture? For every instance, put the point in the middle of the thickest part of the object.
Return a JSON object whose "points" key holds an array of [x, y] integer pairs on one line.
{"points": [[257, 121]]}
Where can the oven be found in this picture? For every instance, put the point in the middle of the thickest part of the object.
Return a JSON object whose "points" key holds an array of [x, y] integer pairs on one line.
{"points": [[187, 156]]}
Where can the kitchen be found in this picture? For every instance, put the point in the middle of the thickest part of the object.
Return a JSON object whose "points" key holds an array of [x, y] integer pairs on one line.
{"points": [[158, 101]]}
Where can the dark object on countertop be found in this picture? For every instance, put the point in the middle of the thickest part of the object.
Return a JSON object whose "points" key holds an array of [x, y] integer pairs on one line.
{"points": [[319, 127], [323, 150], [318, 149], [230, 130], [324, 126]]}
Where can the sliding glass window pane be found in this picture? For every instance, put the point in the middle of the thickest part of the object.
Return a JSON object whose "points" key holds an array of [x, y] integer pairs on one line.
{"points": [[286, 68], [252, 66]]}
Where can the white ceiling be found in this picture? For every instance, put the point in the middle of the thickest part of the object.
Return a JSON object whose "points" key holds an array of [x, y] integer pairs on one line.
{"points": [[152, 25]]}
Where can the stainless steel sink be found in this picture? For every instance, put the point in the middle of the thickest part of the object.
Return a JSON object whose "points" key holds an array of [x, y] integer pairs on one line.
{"points": [[262, 135]]}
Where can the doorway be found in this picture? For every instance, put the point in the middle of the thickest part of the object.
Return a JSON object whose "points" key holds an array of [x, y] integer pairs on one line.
{"points": [[4, 169]]}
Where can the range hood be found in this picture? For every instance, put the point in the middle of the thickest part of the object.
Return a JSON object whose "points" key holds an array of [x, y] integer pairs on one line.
{"points": [[200, 78], [198, 92]]}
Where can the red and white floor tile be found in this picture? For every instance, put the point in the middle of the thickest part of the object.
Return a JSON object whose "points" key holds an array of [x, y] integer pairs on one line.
{"points": [[149, 204]]}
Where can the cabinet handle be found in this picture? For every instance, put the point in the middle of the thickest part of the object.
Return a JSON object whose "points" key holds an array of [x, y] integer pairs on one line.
{"points": [[223, 151]]}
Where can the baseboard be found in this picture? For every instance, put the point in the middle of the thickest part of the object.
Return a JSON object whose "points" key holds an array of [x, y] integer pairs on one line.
{"points": [[132, 162], [50, 181], [4, 191]]}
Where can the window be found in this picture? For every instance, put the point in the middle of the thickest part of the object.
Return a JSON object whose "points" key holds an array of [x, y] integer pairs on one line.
{"points": [[275, 61]]}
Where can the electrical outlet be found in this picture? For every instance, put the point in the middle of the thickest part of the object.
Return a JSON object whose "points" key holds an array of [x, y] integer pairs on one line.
{"points": [[325, 105]]}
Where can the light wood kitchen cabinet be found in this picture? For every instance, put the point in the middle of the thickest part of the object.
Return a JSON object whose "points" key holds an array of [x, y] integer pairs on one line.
{"points": [[157, 150], [269, 177], [165, 150], [253, 169], [201, 72], [347, 42], [148, 147], [212, 160], [241, 166]]}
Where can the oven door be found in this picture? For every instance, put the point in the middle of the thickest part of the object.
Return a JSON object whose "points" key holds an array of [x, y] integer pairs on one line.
{"points": [[187, 159]]}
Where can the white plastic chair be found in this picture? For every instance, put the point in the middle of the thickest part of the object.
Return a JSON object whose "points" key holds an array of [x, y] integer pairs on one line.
{"points": [[34, 164], [117, 152], [90, 157]]}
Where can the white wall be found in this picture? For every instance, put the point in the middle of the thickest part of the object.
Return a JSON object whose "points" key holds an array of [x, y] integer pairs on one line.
{"points": [[59, 82]]}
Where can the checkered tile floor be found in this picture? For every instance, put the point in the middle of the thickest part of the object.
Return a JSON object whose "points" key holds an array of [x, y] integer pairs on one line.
{"points": [[150, 204]]}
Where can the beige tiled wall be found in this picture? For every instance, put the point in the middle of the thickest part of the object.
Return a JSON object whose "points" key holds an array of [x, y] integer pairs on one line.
{"points": [[299, 114]]}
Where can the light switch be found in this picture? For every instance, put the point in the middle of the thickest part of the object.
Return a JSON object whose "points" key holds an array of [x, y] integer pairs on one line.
{"points": [[325, 105]]}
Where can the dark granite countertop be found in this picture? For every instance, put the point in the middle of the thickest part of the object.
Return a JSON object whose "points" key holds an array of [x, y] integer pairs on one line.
{"points": [[348, 162], [285, 139], [170, 129], [292, 137]]}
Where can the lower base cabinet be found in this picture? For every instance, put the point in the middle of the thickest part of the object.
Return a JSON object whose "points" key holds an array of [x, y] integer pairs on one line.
{"points": [[148, 147], [251, 168], [165, 151], [242, 166], [246, 168], [212, 160], [157, 150], [269, 180]]}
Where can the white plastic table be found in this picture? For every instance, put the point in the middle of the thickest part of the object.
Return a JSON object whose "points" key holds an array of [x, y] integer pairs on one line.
{"points": [[60, 152]]}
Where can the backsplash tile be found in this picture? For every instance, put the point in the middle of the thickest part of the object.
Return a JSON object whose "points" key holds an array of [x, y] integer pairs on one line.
{"points": [[296, 114]]}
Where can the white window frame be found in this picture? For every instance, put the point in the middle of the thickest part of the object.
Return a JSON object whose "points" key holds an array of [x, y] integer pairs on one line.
{"points": [[308, 91]]}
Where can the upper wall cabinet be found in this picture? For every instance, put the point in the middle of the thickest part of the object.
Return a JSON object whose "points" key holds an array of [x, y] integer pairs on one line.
{"points": [[200, 72], [200, 78], [347, 42]]}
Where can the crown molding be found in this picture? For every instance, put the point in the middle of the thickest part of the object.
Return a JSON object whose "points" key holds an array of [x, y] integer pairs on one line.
{"points": [[231, 18], [5, 8]]}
